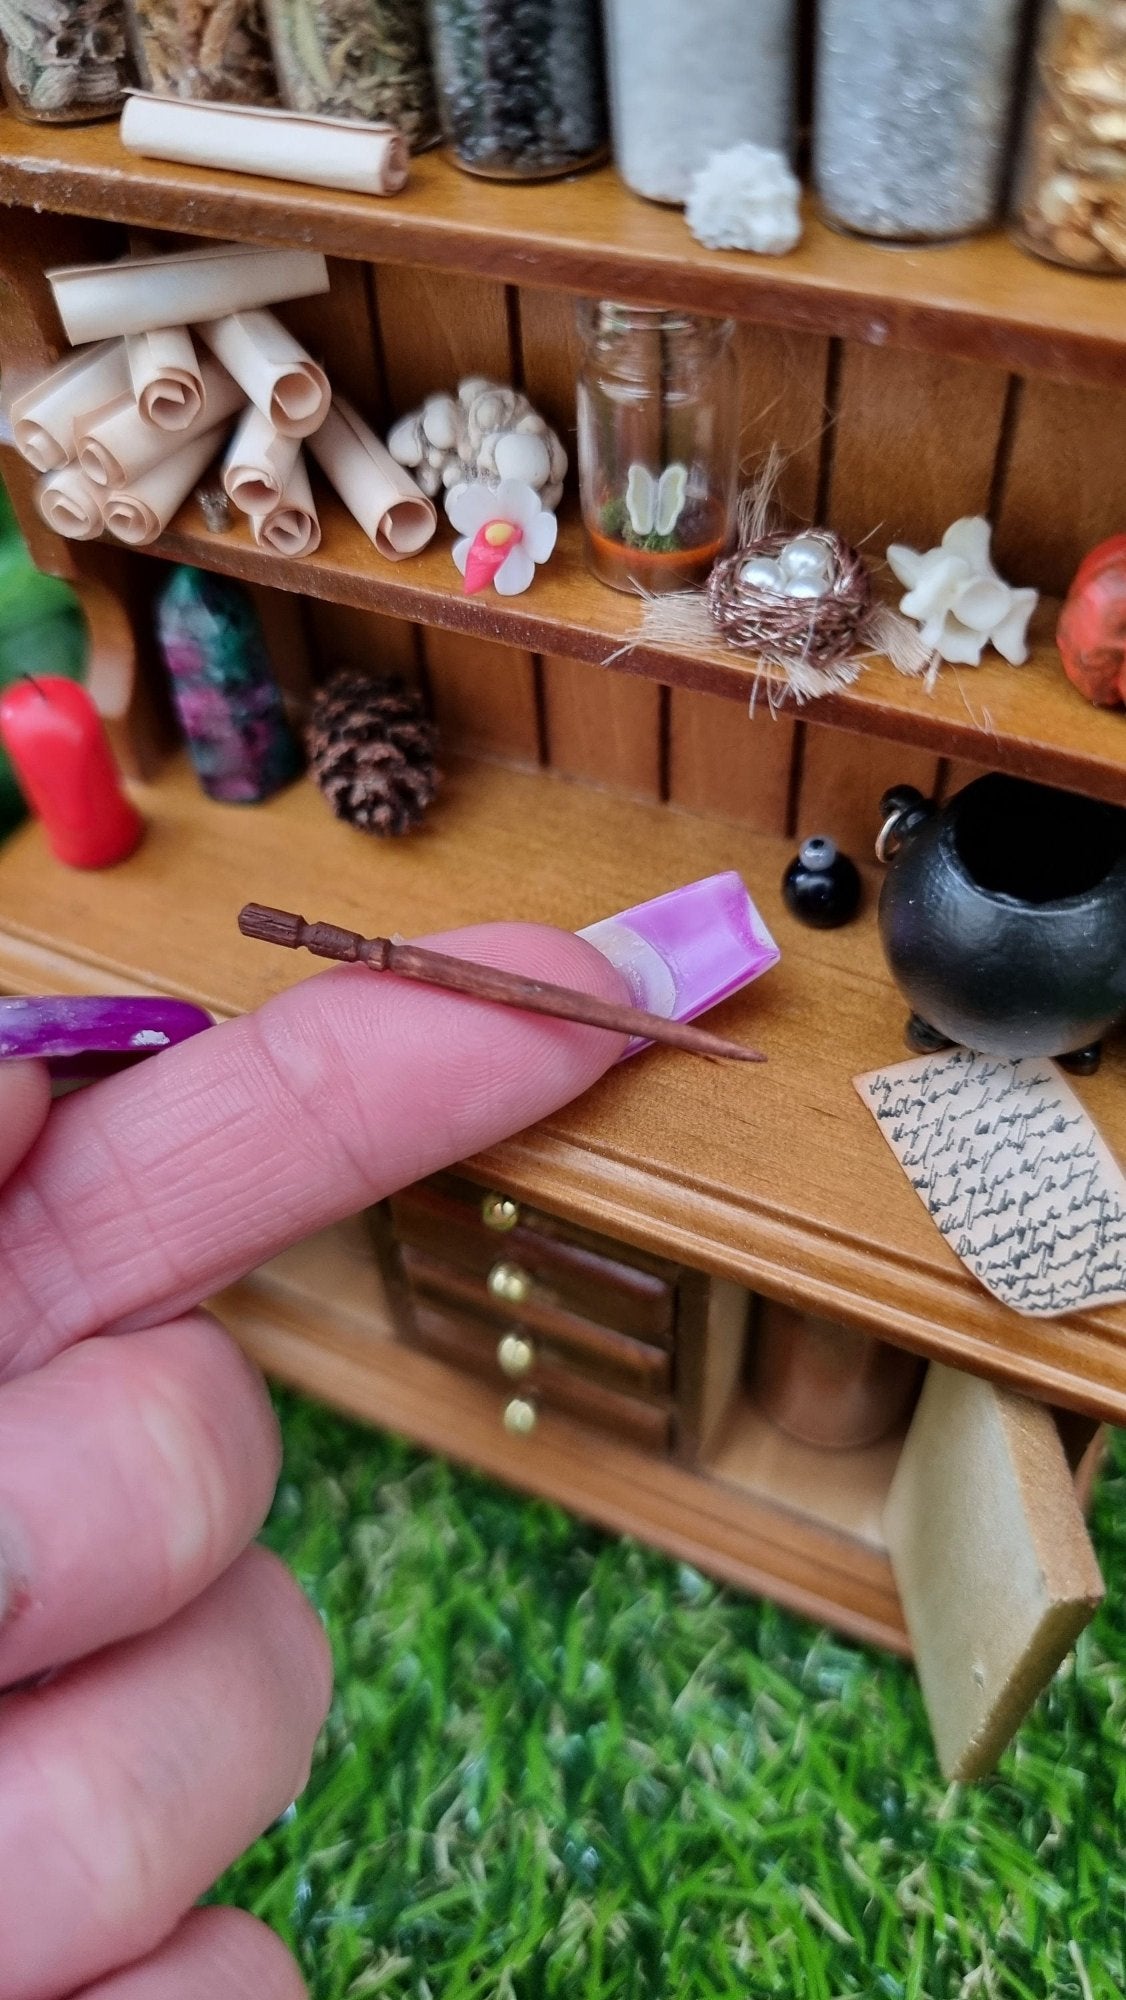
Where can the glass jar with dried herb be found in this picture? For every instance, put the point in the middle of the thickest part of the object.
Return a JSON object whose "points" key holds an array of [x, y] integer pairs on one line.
{"points": [[64, 62], [520, 85], [657, 444], [1071, 194], [217, 50], [362, 59]]}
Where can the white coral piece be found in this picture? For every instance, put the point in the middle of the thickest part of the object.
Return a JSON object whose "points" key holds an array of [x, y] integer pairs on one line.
{"points": [[486, 432], [746, 198], [959, 601]]}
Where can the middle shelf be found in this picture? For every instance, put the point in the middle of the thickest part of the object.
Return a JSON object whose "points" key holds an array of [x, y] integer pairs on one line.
{"points": [[775, 1175], [1027, 720]]}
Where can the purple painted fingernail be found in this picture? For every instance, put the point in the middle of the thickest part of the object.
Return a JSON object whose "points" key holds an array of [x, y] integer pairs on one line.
{"points": [[88, 1035], [686, 951]]}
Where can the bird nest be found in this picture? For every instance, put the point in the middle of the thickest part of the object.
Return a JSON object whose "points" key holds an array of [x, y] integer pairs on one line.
{"points": [[817, 633]]}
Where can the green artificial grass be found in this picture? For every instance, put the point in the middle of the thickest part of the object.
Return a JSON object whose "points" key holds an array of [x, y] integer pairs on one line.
{"points": [[559, 1765]]}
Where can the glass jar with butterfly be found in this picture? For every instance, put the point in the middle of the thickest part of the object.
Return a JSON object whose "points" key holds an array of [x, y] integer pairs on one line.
{"points": [[657, 424]]}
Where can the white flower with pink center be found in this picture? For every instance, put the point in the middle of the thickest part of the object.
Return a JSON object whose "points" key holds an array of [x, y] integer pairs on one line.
{"points": [[505, 531]]}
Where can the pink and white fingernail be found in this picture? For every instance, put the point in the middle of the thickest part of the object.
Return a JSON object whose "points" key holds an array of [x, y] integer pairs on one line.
{"points": [[686, 951]]}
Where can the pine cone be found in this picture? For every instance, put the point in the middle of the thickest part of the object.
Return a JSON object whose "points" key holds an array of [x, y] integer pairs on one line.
{"points": [[371, 751]]}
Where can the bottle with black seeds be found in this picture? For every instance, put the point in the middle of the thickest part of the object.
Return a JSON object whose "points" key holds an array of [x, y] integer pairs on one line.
{"points": [[520, 85]]}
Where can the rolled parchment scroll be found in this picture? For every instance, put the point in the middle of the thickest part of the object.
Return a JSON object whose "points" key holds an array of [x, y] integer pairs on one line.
{"points": [[290, 146], [384, 499], [258, 463], [69, 504], [115, 444], [140, 293], [291, 528], [42, 416], [273, 370], [141, 511], [165, 375]]}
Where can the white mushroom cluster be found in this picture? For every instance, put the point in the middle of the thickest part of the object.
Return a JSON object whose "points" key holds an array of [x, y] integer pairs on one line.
{"points": [[486, 432]]}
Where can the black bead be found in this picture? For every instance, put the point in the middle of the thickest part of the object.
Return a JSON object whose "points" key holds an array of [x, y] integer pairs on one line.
{"points": [[821, 886]]}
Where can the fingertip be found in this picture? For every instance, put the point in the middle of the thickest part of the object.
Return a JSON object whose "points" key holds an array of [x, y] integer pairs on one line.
{"points": [[223, 1953], [25, 1099]]}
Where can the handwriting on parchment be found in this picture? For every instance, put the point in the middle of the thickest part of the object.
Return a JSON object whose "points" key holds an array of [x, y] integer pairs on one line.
{"points": [[1014, 1173]]}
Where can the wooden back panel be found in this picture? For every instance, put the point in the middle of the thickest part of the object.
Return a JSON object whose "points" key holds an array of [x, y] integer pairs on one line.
{"points": [[881, 442]]}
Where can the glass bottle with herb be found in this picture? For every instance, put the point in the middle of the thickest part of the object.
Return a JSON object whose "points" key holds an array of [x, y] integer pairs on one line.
{"points": [[687, 81], [1071, 196], [216, 50], [657, 444], [64, 62], [913, 106], [362, 59], [520, 85]]}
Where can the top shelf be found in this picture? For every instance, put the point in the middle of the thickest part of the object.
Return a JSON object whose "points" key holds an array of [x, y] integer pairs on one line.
{"points": [[981, 300]]}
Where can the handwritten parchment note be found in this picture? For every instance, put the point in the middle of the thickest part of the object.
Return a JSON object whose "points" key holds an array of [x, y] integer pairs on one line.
{"points": [[1013, 1172]]}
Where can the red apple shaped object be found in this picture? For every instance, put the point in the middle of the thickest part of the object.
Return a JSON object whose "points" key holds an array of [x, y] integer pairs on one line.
{"points": [[1091, 634]]}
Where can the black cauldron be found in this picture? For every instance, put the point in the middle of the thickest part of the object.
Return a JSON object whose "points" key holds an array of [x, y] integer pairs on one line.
{"points": [[1003, 918]]}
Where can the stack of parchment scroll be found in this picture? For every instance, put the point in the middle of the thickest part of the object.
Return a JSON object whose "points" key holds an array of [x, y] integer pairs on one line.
{"points": [[178, 359]]}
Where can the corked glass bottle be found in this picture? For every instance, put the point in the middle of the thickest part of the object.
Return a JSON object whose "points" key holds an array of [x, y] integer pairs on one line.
{"points": [[687, 81], [520, 85], [1071, 194], [913, 108], [214, 50], [362, 59], [657, 444], [65, 62]]}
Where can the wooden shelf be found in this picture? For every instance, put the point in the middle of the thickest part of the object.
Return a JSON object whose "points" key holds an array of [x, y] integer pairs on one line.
{"points": [[1027, 720], [982, 299], [847, 1490], [746, 1533], [775, 1176]]}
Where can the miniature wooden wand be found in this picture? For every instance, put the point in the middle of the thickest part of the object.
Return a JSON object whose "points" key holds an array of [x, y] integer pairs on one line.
{"points": [[483, 982]]}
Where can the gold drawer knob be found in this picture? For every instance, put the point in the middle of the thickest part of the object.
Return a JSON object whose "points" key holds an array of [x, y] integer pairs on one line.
{"points": [[519, 1416], [516, 1355], [509, 1283], [500, 1212]]}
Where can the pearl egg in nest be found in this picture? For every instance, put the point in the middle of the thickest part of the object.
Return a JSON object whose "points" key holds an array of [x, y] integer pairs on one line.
{"points": [[811, 616]]}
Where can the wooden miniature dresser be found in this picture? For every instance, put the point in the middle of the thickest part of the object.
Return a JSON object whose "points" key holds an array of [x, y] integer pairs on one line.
{"points": [[574, 1312]]}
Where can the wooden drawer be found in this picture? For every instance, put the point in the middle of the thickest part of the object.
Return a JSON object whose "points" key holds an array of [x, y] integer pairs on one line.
{"points": [[473, 1346], [599, 1352], [537, 1263]]}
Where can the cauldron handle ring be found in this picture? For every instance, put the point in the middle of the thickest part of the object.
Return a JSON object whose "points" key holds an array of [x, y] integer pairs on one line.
{"points": [[903, 809]]}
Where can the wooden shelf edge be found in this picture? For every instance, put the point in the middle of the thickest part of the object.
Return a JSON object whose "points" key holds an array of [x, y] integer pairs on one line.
{"points": [[820, 1217], [750, 1543], [1028, 721], [981, 300], [943, 1316]]}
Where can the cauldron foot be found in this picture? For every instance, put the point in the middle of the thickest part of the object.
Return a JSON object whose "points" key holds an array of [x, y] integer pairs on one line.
{"points": [[925, 1040], [1082, 1062]]}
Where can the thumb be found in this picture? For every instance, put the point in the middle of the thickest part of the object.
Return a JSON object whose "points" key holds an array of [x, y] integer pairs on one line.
{"points": [[161, 1185]]}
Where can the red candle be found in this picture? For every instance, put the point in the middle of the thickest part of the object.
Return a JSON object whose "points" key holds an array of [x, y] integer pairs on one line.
{"points": [[62, 759]]}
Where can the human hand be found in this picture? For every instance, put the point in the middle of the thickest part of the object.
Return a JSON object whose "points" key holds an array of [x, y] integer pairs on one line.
{"points": [[138, 1453]]}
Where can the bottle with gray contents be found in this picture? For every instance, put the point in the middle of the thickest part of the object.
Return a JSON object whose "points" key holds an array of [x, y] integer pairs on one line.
{"points": [[690, 80], [913, 106], [520, 85]]}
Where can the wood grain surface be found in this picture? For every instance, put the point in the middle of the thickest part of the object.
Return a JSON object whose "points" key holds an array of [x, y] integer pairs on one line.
{"points": [[981, 299], [774, 1175]]}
